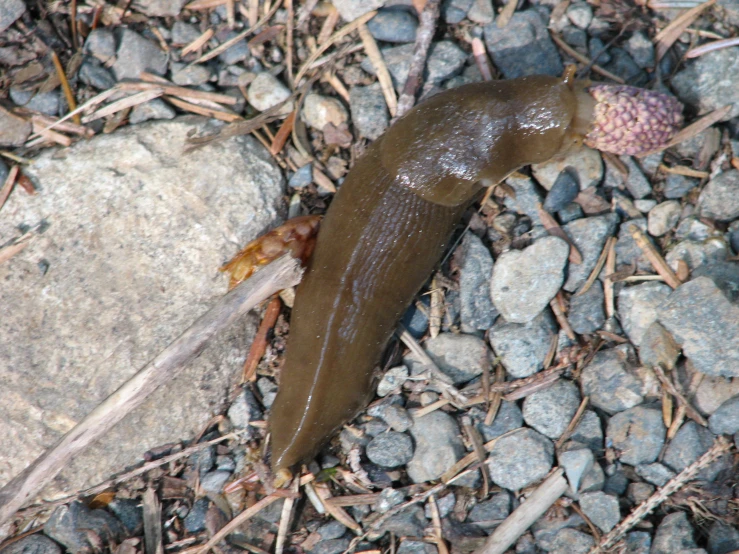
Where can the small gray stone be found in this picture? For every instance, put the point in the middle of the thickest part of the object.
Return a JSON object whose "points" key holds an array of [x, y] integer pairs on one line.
{"points": [[213, 481], [576, 463], [570, 212], [390, 449], [491, 511], [445, 505], [331, 546], [475, 270], [408, 523], [610, 380], [461, 357], [523, 347], [136, 54], [722, 538], [550, 411], [389, 498], [546, 529], [589, 432], [454, 11], [183, 33], [598, 51], [352, 9], [481, 12], [677, 186], [703, 83], [14, 130], [601, 508], [237, 53], [509, 417], [639, 492], [589, 235], [663, 217], [43, 102], [571, 541], [81, 530], [153, 109], [689, 444], [593, 480], [268, 390], [519, 459], [623, 65], [725, 420], [638, 542], [638, 434], [638, 306], [692, 228], [100, 43], [92, 73], [160, 8], [392, 380], [10, 10], [393, 25], [416, 547], [195, 519], [191, 75], [706, 325], [523, 47], [587, 312], [641, 49], [580, 13], [636, 183], [673, 535], [438, 446], [331, 530], [525, 281], [697, 253], [319, 111], [266, 91], [244, 409], [32, 544], [302, 177], [657, 474], [714, 391], [720, 197], [565, 189], [617, 481], [396, 417], [644, 205], [526, 198], [369, 110], [658, 348]]}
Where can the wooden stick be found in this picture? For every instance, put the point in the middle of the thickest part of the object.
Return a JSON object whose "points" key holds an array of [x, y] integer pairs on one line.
{"points": [[655, 258], [162, 369], [526, 514], [426, 30]]}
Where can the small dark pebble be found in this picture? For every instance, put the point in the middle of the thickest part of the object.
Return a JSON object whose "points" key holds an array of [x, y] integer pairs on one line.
{"points": [[195, 518], [82, 530], [393, 25]]}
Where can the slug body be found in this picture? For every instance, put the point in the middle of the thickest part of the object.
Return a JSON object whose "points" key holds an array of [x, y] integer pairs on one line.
{"points": [[386, 230]]}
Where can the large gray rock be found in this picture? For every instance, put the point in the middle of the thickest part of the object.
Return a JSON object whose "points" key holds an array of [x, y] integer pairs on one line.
{"points": [[637, 308], [706, 324], [136, 234], [708, 83]]}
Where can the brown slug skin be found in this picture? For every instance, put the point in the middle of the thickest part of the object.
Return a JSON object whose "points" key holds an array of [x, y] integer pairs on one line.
{"points": [[386, 230]]}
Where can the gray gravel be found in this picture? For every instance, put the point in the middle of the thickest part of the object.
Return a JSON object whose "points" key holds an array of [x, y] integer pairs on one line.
{"points": [[438, 446], [638, 434], [520, 459], [522, 347]]}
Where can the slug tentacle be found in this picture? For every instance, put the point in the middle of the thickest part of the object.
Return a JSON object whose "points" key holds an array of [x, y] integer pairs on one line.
{"points": [[392, 218]]}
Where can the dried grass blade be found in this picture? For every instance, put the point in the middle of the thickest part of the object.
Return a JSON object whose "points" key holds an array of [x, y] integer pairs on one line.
{"points": [[94, 101], [329, 24], [686, 171], [697, 126], [383, 75], [284, 132], [712, 47], [337, 36], [655, 258], [221, 115], [584, 59], [198, 43], [123, 104], [204, 4], [68, 95], [597, 269], [8, 185], [151, 81], [667, 36], [10, 250], [50, 135], [691, 412]]}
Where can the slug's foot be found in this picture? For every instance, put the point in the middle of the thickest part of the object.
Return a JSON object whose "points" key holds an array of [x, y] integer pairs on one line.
{"points": [[296, 236], [632, 121]]}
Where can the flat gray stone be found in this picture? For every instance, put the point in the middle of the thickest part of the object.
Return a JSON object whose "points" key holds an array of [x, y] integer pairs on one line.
{"points": [[461, 357], [656, 474], [673, 535], [638, 306], [136, 54], [509, 417], [136, 234], [663, 217], [520, 459], [525, 281], [475, 271], [708, 83], [369, 110], [587, 313], [706, 325], [601, 508], [720, 197], [522, 347], [393, 25], [689, 444], [571, 541], [638, 434], [550, 410], [438, 446], [611, 380], [390, 449], [725, 420], [576, 464]]}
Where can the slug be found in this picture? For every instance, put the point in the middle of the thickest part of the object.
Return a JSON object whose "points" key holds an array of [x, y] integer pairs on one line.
{"points": [[392, 219]]}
